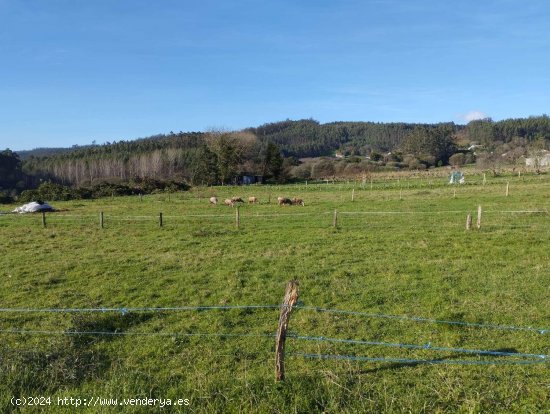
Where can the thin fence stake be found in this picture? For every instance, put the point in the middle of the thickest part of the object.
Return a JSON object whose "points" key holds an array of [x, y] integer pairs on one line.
{"points": [[468, 222], [479, 217], [290, 299], [44, 219], [335, 219], [237, 218], [160, 219], [507, 188], [353, 194], [101, 221]]}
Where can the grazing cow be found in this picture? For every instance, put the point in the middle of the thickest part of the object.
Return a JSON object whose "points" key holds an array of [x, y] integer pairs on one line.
{"points": [[252, 200], [282, 201], [229, 202], [213, 200], [237, 199], [298, 201]]}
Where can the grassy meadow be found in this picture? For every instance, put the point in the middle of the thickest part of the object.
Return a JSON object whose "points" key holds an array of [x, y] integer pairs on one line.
{"points": [[399, 248]]}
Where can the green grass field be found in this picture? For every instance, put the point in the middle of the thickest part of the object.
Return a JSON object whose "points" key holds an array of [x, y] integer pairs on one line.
{"points": [[400, 248]]}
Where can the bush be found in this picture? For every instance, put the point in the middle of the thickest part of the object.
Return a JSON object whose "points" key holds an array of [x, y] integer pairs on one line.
{"points": [[58, 192], [302, 172], [49, 191]]}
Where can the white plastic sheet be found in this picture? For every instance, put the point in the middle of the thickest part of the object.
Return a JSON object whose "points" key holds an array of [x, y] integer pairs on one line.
{"points": [[33, 207]]}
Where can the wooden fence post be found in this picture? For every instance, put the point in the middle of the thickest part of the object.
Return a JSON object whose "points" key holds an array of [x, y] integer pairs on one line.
{"points": [[335, 219], [290, 299], [44, 219], [468, 222], [160, 219], [352, 194], [507, 188], [101, 219], [479, 217], [237, 218]]}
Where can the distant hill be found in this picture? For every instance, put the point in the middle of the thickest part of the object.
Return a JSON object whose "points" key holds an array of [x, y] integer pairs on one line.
{"points": [[184, 155], [44, 152]]}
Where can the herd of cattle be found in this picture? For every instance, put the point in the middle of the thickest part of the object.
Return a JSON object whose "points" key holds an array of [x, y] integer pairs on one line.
{"points": [[282, 201]]}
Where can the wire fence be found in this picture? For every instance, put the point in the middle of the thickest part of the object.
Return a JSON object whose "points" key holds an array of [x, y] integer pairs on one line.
{"points": [[492, 218], [505, 357]]}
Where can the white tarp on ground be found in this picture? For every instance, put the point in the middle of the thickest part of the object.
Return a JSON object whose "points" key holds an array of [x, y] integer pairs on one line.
{"points": [[33, 207]]}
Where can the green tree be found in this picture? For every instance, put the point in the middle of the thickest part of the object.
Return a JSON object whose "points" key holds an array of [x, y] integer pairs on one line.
{"points": [[12, 178], [431, 142], [273, 162], [206, 167]]}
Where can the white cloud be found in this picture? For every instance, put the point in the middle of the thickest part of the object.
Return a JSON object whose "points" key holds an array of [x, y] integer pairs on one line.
{"points": [[473, 115]]}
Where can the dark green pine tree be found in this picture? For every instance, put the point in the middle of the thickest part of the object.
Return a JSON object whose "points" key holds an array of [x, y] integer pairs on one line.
{"points": [[273, 162], [206, 168]]}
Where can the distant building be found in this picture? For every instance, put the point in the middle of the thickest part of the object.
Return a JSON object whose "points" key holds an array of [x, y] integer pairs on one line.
{"points": [[540, 160], [247, 179]]}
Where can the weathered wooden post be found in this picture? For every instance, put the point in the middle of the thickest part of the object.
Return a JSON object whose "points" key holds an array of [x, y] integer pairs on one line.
{"points": [[290, 299], [237, 218], [101, 221], [484, 179], [479, 217], [371, 183], [335, 219], [44, 219], [353, 194], [140, 197], [160, 219], [507, 188], [468, 222]]}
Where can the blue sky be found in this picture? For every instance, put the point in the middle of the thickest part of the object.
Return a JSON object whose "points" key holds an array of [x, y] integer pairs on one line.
{"points": [[77, 71]]}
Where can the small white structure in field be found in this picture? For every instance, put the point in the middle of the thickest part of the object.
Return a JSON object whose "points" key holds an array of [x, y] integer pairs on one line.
{"points": [[33, 207], [456, 177]]}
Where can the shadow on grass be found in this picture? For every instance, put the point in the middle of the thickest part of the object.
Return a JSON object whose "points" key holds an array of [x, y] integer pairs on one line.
{"points": [[434, 361], [66, 360]]}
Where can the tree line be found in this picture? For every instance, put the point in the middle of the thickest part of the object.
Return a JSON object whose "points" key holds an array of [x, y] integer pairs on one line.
{"points": [[274, 150]]}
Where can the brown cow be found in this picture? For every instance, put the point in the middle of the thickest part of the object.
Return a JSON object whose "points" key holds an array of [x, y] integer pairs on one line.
{"points": [[213, 200], [252, 200], [298, 201], [229, 202], [237, 199]]}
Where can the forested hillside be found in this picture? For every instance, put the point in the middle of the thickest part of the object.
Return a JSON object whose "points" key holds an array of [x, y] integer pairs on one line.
{"points": [[272, 150], [309, 138]]}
